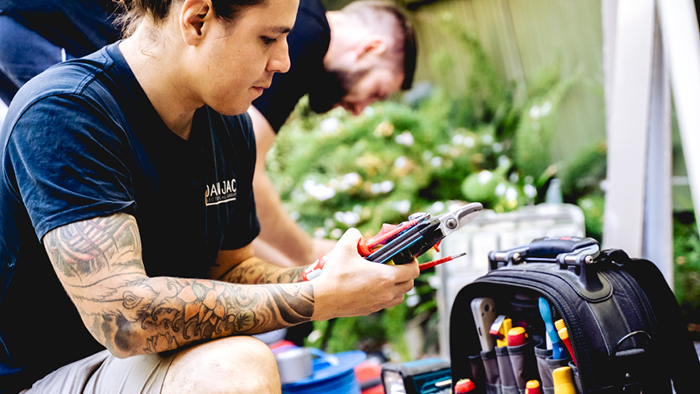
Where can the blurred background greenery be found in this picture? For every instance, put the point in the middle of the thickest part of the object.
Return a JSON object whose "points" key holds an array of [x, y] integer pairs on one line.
{"points": [[502, 109]]}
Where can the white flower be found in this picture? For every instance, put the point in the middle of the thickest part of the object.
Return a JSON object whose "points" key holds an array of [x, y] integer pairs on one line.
{"points": [[437, 207], [328, 223], [497, 148], [318, 191], [530, 191], [535, 112], [387, 186], [315, 335], [427, 155], [368, 111], [350, 218], [405, 138], [320, 232], [484, 177], [330, 125], [400, 162], [347, 218], [336, 233], [511, 194], [503, 161], [412, 301], [468, 141], [487, 139], [376, 188], [604, 185], [586, 204], [458, 139], [545, 108], [513, 177], [349, 180], [500, 189], [402, 206], [436, 161]]}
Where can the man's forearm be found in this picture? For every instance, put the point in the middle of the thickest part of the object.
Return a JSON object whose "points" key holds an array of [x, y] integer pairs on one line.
{"points": [[99, 264], [133, 314], [257, 271], [277, 227]]}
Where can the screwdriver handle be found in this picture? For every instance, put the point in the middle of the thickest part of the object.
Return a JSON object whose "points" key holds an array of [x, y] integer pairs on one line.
{"points": [[314, 270]]}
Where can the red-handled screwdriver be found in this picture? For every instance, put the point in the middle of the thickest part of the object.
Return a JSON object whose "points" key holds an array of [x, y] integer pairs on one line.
{"points": [[364, 247], [440, 261]]}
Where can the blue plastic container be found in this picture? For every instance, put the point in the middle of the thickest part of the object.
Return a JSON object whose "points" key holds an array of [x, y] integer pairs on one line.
{"points": [[333, 374]]}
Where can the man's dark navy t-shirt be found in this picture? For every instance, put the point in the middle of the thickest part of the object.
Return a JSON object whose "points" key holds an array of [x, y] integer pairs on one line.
{"points": [[308, 43], [82, 140]]}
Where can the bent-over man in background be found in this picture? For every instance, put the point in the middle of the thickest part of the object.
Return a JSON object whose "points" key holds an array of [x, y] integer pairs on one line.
{"points": [[351, 58]]}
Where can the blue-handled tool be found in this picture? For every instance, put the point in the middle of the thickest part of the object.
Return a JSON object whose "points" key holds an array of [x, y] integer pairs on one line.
{"points": [[558, 350]]}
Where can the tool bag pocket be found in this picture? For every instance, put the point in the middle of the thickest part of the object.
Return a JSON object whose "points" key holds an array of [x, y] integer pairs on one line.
{"points": [[492, 383], [619, 313]]}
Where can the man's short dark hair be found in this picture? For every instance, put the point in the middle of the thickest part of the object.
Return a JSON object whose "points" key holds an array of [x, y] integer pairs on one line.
{"points": [[368, 11], [133, 11]]}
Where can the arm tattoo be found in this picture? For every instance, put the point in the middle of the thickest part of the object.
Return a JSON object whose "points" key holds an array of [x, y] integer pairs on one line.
{"points": [[256, 271], [99, 263]]}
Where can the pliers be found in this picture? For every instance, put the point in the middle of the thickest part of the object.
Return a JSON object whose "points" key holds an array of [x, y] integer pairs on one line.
{"points": [[414, 238]]}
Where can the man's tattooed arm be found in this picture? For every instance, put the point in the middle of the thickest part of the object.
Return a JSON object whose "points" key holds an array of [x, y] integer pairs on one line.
{"points": [[98, 261], [256, 271]]}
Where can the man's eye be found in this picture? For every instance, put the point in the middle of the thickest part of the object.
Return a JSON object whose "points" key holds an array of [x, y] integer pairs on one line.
{"points": [[268, 40]]}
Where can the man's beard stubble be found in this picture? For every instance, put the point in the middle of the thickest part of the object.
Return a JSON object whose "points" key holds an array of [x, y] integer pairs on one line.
{"points": [[331, 87]]}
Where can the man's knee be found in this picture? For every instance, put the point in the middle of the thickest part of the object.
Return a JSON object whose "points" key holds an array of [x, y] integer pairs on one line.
{"points": [[227, 365]]}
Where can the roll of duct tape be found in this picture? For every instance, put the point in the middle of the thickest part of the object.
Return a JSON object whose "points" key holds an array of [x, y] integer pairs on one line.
{"points": [[294, 364]]}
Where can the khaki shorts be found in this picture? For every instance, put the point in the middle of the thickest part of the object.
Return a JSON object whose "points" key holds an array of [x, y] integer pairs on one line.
{"points": [[103, 373]]}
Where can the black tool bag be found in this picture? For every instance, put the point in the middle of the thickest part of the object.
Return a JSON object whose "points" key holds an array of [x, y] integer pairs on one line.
{"points": [[624, 324]]}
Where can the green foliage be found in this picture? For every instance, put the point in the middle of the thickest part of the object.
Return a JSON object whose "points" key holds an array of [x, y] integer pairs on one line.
{"points": [[686, 253]]}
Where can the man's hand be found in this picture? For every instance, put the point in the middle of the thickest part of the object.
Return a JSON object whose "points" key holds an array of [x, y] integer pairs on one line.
{"points": [[352, 286]]}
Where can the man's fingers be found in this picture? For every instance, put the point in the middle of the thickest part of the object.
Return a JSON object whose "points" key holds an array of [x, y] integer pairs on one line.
{"points": [[349, 239], [405, 287], [407, 272]]}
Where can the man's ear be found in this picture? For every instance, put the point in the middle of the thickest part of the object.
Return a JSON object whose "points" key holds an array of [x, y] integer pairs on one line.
{"points": [[195, 18], [373, 44]]}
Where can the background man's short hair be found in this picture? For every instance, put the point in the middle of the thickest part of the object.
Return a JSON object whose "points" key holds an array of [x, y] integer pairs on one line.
{"points": [[370, 12]]}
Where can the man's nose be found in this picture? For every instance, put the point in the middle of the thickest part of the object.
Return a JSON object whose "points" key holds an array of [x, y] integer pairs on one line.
{"points": [[279, 62], [358, 107]]}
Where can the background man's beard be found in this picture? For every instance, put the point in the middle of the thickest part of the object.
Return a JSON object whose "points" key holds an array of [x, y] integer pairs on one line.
{"points": [[330, 88]]}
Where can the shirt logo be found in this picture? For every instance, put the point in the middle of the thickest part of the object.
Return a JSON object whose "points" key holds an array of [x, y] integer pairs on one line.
{"points": [[221, 192]]}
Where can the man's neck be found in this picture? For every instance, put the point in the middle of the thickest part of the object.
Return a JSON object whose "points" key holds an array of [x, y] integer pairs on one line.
{"points": [[157, 70]]}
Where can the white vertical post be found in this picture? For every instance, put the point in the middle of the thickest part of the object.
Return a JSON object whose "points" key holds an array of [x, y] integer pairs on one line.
{"points": [[628, 126], [679, 28], [658, 212]]}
